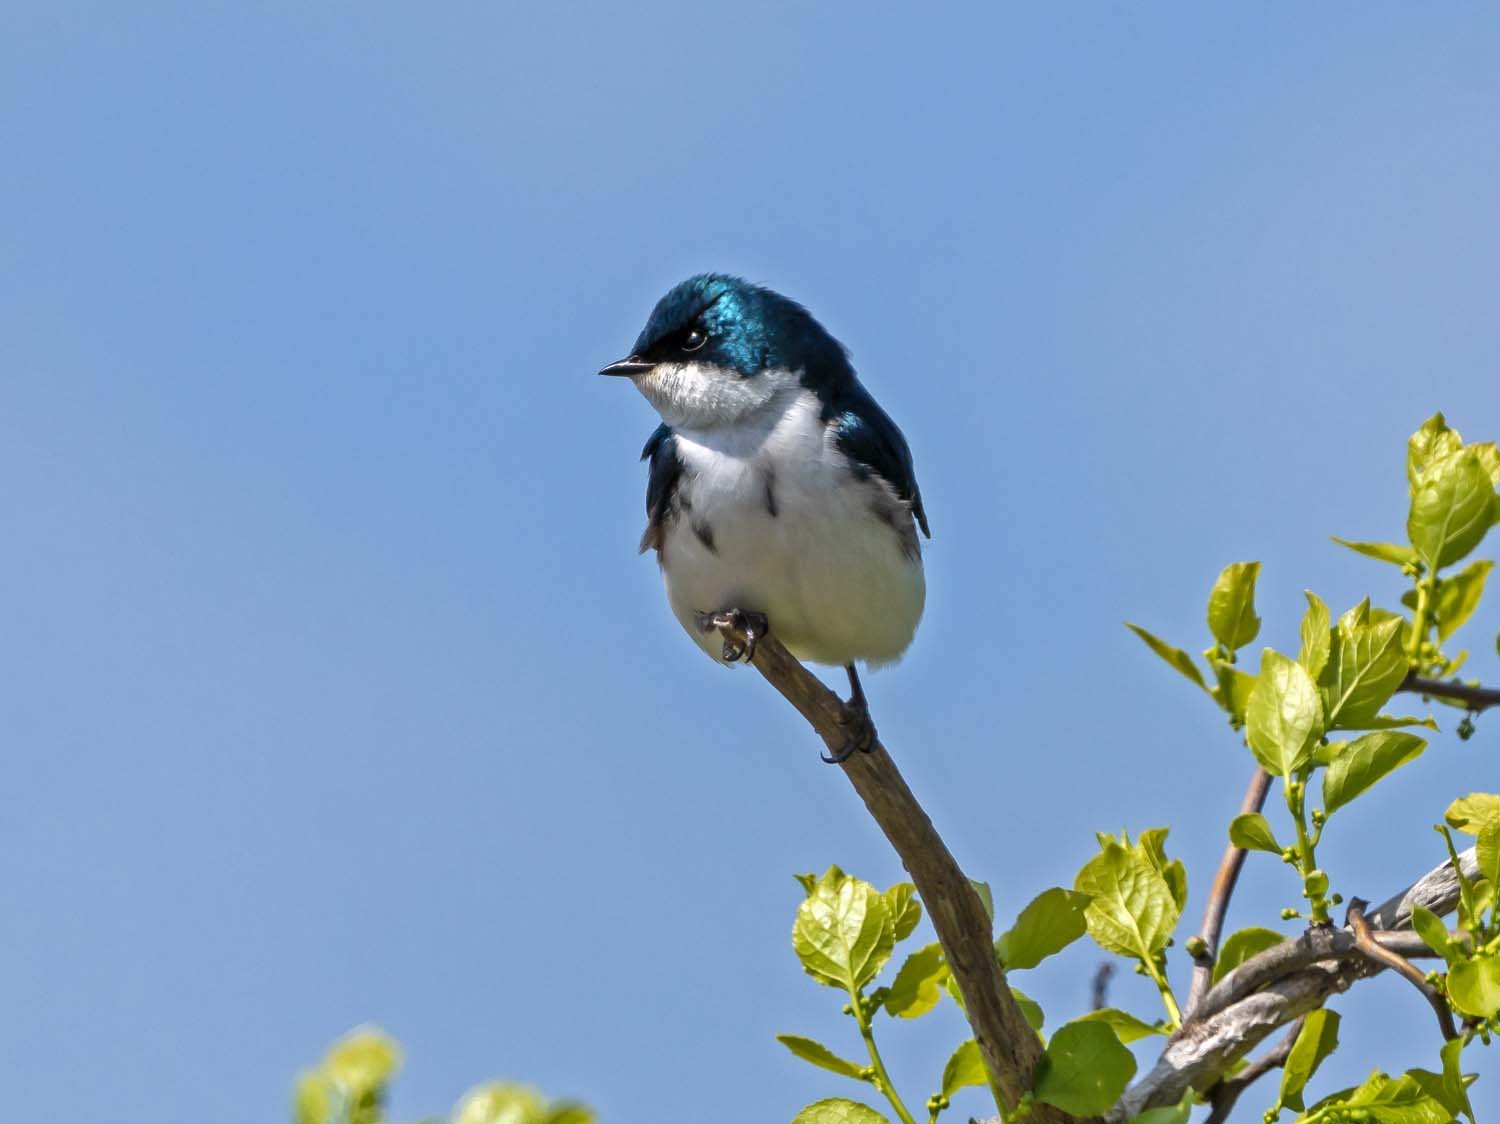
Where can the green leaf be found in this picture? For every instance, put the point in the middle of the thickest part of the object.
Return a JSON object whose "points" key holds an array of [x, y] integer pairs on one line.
{"points": [[806, 881], [1487, 852], [1387, 1100], [568, 1113], [500, 1102], [1252, 832], [918, 984], [1318, 1038], [1231, 606], [836, 1110], [964, 1068], [1365, 666], [362, 1061], [986, 897], [1474, 986], [313, 1098], [843, 933], [1489, 457], [1452, 506], [1396, 553], [1365, 761], [1390, 722], [821, 1056], [1084, 1070], [1031, 1010], [1458, 596], [1472, 813], [1167, 1114], [1241, 945], [1455, 1096], [1052, 921], [1434, 933], [1179, 659], [904, 909], [1317, 635], [1133, 909], [1285, 716], [1433, 442], [1154, 844], [1126, 1026], [1233, 690]]}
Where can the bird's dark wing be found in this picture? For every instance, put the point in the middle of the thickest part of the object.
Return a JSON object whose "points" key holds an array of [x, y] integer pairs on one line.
{"points": [[865, 434], [661, 484]]}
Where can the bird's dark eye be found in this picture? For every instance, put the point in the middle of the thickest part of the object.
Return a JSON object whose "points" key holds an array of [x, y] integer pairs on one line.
{"points": [[694, 339]]}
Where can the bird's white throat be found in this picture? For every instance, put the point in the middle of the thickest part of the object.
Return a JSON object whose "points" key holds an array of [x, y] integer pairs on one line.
{"points": [[704, 396]]}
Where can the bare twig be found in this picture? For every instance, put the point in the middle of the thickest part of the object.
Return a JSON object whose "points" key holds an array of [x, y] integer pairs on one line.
{"points": [[1475, 698], [1219, 895], [1224, 1095], [1099, 989], [1364, 939], [1008, 1045]]}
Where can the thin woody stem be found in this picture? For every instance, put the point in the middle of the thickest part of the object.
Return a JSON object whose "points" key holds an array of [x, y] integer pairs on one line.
{"points": [[1219, 895]]}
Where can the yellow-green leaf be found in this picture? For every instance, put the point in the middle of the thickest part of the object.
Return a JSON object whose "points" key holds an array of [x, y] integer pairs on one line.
{"points": [[1365, 666], [843, 934], [1126, 1026], [1317, 635], [813, 1051], [904, 909], [1231, 606], [1318, 1038], [1049, 923], [918, 984], [1252, 832], [1285, 716], [1365, 761], [1452, 506], [965, 1068], [1433, 442], [1179, 659], [1132, 908], [1397, 554], [1241, 945], [837, 1110], [1084, 1070]]}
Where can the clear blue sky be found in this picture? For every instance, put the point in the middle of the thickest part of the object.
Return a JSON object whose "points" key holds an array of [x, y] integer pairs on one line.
{"points": [[334, 689]]}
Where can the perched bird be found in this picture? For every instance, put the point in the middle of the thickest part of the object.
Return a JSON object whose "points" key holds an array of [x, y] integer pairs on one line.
{"points": [[780, 493]]}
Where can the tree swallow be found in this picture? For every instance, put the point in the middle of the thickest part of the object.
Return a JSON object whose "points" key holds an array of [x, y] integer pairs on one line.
{"points": [[780, 494]]}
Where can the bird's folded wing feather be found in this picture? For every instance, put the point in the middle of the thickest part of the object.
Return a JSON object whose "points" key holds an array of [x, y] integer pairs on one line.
{"points": [[664, 471], [865, 434]]}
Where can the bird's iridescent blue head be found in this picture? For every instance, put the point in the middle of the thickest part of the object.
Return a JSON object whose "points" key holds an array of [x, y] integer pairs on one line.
{"points": [[717, 347]]}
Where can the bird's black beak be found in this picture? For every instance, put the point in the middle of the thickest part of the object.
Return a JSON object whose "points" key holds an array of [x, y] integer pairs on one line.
{"points": [[635, 365]]}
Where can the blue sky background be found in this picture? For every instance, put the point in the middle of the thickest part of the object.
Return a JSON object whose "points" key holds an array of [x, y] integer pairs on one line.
{"points": [[334, 689]]}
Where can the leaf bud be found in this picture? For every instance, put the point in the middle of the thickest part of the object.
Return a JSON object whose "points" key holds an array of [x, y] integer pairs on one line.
{"points": [[1196, 947], [1289, 914]]}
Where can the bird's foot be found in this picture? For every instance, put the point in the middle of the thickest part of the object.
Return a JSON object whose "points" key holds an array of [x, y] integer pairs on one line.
{"points": [[861, 736], [741, 629]]}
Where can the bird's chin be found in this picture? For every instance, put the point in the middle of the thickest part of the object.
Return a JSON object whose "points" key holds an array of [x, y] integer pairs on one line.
{"points": [[707, 396]]}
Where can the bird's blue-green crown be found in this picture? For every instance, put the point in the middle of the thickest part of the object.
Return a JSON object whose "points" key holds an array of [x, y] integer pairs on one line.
{"points": [[749, 329]]}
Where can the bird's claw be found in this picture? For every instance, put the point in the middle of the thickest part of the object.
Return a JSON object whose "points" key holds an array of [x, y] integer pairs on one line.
{"points": [[741, 628], [861, 736]]}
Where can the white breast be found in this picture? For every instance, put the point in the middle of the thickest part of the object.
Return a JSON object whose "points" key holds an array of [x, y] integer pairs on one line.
{"points": [[771, 518]]}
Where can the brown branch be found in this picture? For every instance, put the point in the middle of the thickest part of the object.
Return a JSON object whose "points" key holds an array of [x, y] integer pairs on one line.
{"points": [[1219, 894], [1475, 698], [1276, 986], [1224, 1095], [1099, 988], [1009, 1046], [1364, 939]]}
